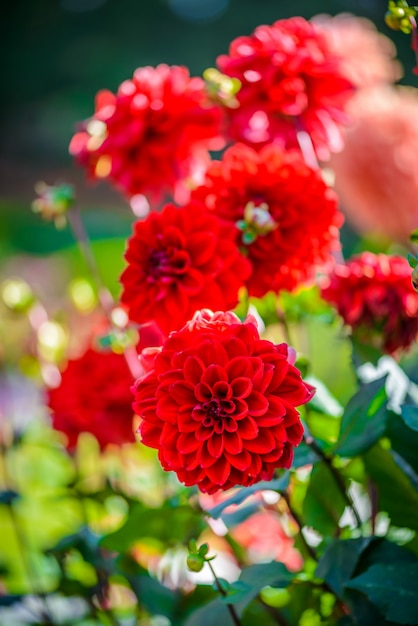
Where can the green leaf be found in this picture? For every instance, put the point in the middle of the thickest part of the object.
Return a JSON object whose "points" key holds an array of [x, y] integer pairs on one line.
{"points": [[393, 589], [215, 613], [403, 440], [324, 503], [412, 260], [253, 579], [8, 496], [304, 455], [165, 523], [278, 484], [396, 495], [409, 413], [339, 561], [364, 419]]}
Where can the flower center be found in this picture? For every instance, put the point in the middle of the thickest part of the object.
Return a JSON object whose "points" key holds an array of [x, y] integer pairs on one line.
{"points": [[167, 264], [257, 222]]}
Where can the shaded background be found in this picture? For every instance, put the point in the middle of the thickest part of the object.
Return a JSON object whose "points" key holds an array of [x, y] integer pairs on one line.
{"points": [[58, 53]]}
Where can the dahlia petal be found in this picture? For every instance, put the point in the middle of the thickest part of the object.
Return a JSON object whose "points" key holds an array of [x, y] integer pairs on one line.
{"points": [[241, 387], [275, 413], [216, 445], [166, 409], [238, 367], [232, 442], [203, 392], [257, 404], [295, 433], [213, 353], [219, 471], [213, 374], [264, 442], [241, 460], [187, 443], [203, 433], [182, 393], [206, 459], [193, 369], [248, 428]]}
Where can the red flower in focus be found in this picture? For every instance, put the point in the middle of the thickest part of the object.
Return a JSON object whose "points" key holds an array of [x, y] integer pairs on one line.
{"points": [[181, 260], [286, 217], [374, 295], [94, 396], [152, 135], [219, 403], [291, 80]]}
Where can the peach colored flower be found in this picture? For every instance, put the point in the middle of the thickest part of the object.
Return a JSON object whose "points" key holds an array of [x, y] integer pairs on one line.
{"points": [[263, 536], [377, 172], [367, 55]]}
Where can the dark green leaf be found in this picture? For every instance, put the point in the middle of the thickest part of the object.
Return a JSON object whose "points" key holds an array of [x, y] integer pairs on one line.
{"points": [[396, 495], [339, 561], [304, 455], [383, 552], [151, 594], [364, 420], [324, 503], [215, 613], [278, 484], [393, 589], [409, 414], [8, 496], [403, 440]]}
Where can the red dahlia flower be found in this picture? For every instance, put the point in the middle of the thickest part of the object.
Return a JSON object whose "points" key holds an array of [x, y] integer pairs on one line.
{"points": [[291, 80], [181, 260], [374, 295], [219, 403], [152, 135], [94, 396], [286, 218]]}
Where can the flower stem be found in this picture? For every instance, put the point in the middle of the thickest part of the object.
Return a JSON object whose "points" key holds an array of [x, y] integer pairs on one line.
{"points": [[310, 441], [230, 607]]}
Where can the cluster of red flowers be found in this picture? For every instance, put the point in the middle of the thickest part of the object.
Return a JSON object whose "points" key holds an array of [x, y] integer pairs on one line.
{"points": [[374, 295], [217, 401]]}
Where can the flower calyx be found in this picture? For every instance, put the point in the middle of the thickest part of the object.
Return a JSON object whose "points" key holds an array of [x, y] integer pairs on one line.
{"points": [[221, 88], [197, 557], [257, 222]]}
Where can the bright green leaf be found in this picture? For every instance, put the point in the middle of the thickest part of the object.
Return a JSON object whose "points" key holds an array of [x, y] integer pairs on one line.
{"points": [[364, 419]]}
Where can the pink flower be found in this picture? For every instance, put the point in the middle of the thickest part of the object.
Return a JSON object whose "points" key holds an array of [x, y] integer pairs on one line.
{"points": [[218, 404], [291, 80], [367, 56], [377, 173], [374, 295]]}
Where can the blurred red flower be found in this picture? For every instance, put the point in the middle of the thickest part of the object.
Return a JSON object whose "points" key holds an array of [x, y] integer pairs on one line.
{"points": [[285, 215], [181, 260], [377, 173], [152, 135], [95, 396], [219, 403], [291, 80], [374, 295]]}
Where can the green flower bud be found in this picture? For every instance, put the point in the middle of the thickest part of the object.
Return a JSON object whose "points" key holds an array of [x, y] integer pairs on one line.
{"points": [[195, 562]]}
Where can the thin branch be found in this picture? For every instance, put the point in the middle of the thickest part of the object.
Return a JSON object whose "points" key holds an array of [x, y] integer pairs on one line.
{"points": [[230, 607], [310, 441]]}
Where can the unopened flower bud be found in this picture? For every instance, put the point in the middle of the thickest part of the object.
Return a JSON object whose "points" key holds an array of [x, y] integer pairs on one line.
{"points": [[222, 88], [53, 202], [195, 562]]}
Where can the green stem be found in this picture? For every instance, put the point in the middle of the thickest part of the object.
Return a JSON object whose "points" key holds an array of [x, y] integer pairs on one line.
{"points": [[310, 441], [230, 607]]}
